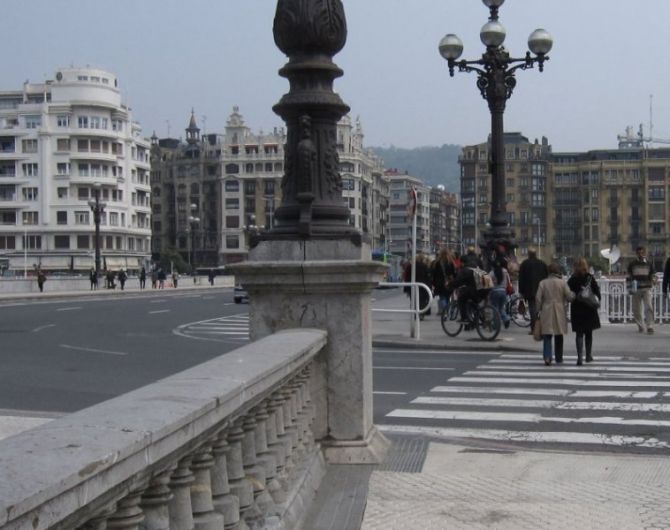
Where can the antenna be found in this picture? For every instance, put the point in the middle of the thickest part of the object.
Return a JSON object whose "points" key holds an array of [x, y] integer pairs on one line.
{"points": [[168, 128], [651, 119]]}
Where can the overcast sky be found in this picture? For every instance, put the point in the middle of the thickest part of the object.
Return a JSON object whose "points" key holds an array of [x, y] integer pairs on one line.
{"points": [[609, 56]]}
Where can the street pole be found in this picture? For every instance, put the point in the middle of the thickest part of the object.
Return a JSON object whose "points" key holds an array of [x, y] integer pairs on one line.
{"points": [[496, 81], [97, 207], [25, 252]]}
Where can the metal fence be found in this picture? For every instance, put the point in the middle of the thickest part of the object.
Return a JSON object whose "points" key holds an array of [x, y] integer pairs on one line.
{"points": [[616, 304]]}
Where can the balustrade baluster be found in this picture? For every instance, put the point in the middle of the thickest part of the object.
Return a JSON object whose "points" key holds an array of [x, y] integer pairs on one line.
{"points": [[179, 507], [99, 522], [263, 454], [240, 485], [224, 501], [254, 469], [204, 516], [128, 514], [155, 502]]}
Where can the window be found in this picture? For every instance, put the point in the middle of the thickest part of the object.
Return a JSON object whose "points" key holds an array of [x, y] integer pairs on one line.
{"points": [[656, 193], [63, 120], [83, 170], [82, 146], [232, 185], [113, 219], [63, 144], [63, 168], [29, 145], [7, 193], [32, 242], [269, 187], [117, 125], [30, 170], [82, 122], [83, 241], [30, 218], [62, 242], [232, 204], [268, 167], [537, 169], [249, 187], [82, 194], [29, 194], [95, 122], [7, 243], [62, 193], [232, 242], [33, 122], [95, 146], [81, 218], [61, 217], [232, 221]]}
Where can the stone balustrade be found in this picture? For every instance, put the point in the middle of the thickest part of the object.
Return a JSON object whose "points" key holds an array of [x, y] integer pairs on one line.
{"points": [[227, 444]]}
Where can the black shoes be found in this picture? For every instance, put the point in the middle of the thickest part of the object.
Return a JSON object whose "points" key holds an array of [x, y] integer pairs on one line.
{"points": [[589, 358]]}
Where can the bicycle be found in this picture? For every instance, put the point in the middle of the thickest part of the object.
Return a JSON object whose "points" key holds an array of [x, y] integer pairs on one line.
{"points": [[481, 315], [518, 310]]}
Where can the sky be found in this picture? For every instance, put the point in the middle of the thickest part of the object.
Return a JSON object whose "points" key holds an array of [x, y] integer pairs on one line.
{"points": [[210, 55]]}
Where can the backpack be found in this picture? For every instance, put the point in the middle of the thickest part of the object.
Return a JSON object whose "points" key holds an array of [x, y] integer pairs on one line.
{"points": [[481, 278]]}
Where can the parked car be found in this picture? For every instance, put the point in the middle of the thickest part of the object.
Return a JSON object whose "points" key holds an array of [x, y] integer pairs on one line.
{"points": [[240, 295]]}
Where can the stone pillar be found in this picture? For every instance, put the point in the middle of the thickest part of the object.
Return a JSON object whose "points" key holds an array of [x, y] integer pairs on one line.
{"points": [[240, 485], [224, 501], [128, 514], [324, 284]]}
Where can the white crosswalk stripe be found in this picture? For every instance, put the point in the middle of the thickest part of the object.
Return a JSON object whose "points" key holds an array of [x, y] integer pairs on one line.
{"points": [[613, 402], [231, 328]]}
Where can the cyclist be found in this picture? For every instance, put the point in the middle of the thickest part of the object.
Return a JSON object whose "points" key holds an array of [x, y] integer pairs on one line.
{"points": [[467, 290]]}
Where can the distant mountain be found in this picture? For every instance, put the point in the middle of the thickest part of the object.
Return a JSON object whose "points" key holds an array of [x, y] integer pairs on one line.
{"points": [[433, 165]]}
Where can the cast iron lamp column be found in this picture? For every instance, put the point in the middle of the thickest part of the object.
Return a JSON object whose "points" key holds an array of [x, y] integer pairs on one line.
{"points": [[97, 207], [192, 222], [496, 82]]}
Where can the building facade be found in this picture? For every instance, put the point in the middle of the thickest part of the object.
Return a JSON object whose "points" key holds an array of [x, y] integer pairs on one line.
{"points": [[574, 204], [185, 180], [400, 214], [62, 142]]}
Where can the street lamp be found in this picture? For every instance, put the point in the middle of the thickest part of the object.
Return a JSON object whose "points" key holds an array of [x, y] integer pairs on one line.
{"points": [[496, 81], [192, 221], [97, 207]]}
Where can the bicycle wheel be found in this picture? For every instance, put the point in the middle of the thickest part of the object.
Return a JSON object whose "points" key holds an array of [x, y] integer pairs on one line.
{"points": [[518, 311], [488, 322], [450, 320]]}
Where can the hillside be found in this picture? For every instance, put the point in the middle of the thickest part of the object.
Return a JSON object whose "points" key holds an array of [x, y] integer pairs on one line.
{"points": [[434, 165]]}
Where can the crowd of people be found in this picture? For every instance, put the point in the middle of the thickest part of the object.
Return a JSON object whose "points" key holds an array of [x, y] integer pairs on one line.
{"points": [[544, 288]]}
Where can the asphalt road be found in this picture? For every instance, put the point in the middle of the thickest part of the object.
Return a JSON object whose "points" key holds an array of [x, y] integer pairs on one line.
{"points": [[64, 355]]}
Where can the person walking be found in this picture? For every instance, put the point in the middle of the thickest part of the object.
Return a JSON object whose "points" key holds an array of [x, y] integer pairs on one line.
{"points": [[161, 276], [93, 277], [641, 278], [41, 278], [122, 278], [443, 271], [175, 279], [500, 279], [552, 295], [583, 317], [143, 278], [154, 278], [531, 272], [210, 277]]}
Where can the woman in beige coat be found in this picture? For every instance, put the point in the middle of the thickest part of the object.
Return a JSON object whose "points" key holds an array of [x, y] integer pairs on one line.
{"points": [[552, 296]]}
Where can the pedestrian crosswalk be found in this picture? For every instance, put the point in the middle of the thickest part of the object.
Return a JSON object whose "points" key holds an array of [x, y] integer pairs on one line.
{"points": [[614, 401], [230, 328]]}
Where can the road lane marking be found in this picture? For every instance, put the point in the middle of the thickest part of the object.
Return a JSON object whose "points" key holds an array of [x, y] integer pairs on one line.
{"points": [[159, 311], [379, 392], [525, 417], [45, 326], [579, 374], [530, 436], [94, 350], [584, 369], [558, 381], [401, 350], [67, 308], [159, 301], [546, 392], [410, 368]]}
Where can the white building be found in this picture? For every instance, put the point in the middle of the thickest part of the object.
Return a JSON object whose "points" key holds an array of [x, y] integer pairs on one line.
{"points": [[401, 185], [61, 142]]}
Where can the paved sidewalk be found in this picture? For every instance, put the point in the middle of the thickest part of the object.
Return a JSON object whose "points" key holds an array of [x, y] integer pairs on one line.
{"points": [[469, 484]]}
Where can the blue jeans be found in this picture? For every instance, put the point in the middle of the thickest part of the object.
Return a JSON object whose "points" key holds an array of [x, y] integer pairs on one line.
{"points": [[498, 299], [558, 347], [442, 303]]}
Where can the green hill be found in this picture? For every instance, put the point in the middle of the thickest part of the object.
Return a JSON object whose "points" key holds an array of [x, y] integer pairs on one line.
{"points": [[434, 165]]}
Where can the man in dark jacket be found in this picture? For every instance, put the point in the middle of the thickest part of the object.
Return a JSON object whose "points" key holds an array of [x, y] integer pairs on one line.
{"points": [[532, 271]]}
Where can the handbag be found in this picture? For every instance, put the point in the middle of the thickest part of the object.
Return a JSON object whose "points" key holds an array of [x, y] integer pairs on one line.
{"points": [[537, 330], [509, 288], [588, 297]]}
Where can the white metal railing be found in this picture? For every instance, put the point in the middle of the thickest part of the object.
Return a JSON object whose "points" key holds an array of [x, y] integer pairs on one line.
{"points": [[414, 309], [616, 303]]}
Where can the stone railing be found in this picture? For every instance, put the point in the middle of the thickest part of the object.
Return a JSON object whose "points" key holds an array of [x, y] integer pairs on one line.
{"points": [[226, 444]]}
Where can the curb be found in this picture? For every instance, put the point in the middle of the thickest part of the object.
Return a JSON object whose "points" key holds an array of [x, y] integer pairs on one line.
{"points": [[422, 345]]}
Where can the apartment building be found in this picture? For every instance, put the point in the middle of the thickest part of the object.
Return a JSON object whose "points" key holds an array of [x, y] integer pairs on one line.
{"points": [[62, 142], [573, 204], [185, 180], [401, 186]]}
